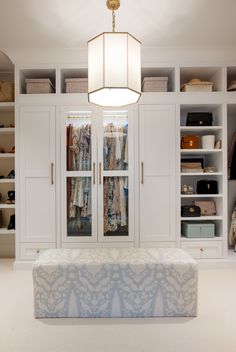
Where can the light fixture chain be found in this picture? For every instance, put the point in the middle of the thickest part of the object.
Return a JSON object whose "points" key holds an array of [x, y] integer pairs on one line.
{"points": [[113, 20]]}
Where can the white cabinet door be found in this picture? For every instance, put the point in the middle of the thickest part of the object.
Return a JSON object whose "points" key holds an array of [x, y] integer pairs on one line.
{"points": [[37, 181], [157, 173]]}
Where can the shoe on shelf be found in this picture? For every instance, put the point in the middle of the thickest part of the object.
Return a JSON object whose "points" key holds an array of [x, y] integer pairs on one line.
{"points": [[11, 225], [11, 125], [1, 221], [2, 150], [12, 150], [11, 174], [2, 126], [1, 177], [11, 197]]}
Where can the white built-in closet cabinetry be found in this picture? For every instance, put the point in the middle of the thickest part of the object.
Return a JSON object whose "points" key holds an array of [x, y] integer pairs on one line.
{"points": [[147, 178]]}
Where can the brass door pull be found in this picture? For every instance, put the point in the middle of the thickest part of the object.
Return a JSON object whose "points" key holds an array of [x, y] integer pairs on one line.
{"points": [[142, 172], [94, 180], [100, 173], [52, 170]]}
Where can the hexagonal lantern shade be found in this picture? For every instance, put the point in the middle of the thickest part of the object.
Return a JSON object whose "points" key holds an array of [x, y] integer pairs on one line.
{"points": [[114, 69]]}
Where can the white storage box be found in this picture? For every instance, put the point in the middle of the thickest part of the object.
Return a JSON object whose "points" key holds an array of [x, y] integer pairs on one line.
{"points": [[76, 85], [39, 86], [155, 84]]}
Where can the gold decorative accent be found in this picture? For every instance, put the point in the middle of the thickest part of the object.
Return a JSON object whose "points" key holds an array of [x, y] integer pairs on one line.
{"points": [[94, 181], [100, 173], [142, 172], [113, 4], [52, 168]]}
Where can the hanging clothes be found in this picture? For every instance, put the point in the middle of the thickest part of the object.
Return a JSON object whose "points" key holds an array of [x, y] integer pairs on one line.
{"points": [[115, 204], [232, 231], [232, 158], [115, 147], [79, 147]]}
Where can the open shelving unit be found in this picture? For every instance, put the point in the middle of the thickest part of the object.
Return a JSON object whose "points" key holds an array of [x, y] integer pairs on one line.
{"points": [[7, 163]]}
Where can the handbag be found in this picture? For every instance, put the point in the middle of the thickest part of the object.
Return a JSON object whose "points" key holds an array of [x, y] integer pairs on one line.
{"points": [[191, 167], [199, 119], [207, 207], [190, 142], [190, 211], [207, 187]]}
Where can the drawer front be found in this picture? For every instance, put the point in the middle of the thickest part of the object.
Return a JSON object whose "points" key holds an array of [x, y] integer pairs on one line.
{"points": [[31, 251], [203, 250], [158, 244]]}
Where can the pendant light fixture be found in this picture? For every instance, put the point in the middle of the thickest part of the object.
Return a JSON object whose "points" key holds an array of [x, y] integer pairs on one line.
{"points": [[114, 66]]}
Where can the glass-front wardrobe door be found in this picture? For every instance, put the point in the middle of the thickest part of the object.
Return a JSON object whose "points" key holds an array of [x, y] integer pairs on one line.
{"points": [[80, 179], [115, 168]]}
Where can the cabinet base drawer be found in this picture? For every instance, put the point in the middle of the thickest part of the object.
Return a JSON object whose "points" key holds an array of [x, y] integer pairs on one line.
{"points": [[31, 251], [203, 250]]}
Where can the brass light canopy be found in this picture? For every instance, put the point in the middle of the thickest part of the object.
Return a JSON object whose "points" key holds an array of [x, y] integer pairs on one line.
{"points": [[114, 66]]}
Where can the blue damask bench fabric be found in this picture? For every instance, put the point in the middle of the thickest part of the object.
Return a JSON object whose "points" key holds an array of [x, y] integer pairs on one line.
{"points": [[127, 282]]}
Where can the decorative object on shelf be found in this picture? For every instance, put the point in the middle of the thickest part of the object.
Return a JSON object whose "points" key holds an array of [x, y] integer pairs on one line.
{"points": [[196, 85], [210, 169], [76, 85], [11, 174], [199, 119], [208, 141], [198, 229], [187, 189], [208, 207], [11, 197], [190, 142], [232, 230], [232, 86], [232, 158], [1, 221], [154, 84], [12, 150], [11, 225], [207, 187], [218, 144], [2, 151], [6, 91], [190, 211], [114, 66], [39, 86]]}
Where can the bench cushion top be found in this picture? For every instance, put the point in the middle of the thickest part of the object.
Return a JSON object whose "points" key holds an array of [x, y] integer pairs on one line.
{"points": [[131, 256]]}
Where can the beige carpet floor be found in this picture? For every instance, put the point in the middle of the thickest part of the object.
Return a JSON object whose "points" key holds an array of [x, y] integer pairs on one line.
{"points": [[214, 330]]}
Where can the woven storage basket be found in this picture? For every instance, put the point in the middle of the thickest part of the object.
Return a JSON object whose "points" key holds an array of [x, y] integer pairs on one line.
{"points": [[154, 84], [76, 85], [39, 86], [6, 91]]}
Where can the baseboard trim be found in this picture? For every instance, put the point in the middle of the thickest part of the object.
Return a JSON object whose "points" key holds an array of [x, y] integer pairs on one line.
{"points": [[20, 265]]}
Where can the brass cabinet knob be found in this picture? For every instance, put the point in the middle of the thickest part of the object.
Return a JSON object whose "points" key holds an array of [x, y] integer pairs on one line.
{"points": [[201, 249], [37, 251]]}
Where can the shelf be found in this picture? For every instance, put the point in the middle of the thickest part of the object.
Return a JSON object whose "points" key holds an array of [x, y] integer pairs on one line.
{"points": [[7, 105], [200, 128], [7, 180], [202, 218], [7, 155], [7, 130], [7, 206], [5, 231], [201, 173], [201, 195], [216, 238], [200, 151]]}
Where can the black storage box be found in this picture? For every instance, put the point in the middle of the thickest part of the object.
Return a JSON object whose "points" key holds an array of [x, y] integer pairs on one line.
{"points": [[207, 187], [199, 119]]}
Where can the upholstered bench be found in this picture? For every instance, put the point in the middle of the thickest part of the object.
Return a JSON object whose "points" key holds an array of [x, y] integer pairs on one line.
{"points": [[129, 282]]}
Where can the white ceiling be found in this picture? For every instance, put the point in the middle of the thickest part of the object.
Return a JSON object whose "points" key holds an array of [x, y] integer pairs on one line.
{"points": [[70, 23]]}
